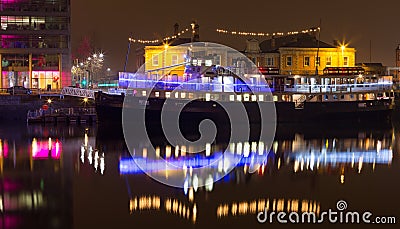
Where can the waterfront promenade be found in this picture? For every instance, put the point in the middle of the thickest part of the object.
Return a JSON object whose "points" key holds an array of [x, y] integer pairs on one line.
{"points": [[16, 107]]}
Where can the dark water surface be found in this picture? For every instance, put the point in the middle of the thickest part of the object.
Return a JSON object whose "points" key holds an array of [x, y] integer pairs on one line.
{"points": [[82, 177]]}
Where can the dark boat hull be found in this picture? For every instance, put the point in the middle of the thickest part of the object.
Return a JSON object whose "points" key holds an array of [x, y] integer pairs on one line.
{"points": [[109, 109]]}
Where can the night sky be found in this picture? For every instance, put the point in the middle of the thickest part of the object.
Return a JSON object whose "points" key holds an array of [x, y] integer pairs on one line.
{"points": [[358, 22]]}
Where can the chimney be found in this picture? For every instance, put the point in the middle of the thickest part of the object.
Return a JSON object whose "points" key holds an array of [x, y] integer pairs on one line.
{"points": [[176, 29], [336, 43]]}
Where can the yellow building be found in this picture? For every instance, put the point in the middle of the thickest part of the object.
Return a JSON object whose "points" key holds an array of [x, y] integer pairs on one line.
{"points": [[300, 54], [168, 59], [159, 58]]}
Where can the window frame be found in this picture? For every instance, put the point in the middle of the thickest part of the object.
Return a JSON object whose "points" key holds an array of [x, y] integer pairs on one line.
{"points": [[155, 60], [328, 61], [306, 61], [289, 63], [174, 59], [345, 61]]}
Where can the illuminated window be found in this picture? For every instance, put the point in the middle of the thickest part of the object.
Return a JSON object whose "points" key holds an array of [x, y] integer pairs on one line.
{"points": [[317, 60], [155, 59], [270, 61], [289, 61], [328, 61], [345, 61], [306, 61], [174, 59]]}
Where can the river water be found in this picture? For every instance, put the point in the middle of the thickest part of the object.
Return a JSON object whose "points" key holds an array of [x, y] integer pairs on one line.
{"points": [[80, 176]]}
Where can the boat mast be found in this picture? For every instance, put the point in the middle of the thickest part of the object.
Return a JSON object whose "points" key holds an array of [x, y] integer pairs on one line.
{"points": [[127, 53]]}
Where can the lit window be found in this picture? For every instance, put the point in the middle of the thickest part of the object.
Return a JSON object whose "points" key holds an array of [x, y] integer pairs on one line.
{"points": [[174, 59], [270, 61], [317, 60], [155, 59], [288, 61], [328, 61], [345, 61], [306, 61]]}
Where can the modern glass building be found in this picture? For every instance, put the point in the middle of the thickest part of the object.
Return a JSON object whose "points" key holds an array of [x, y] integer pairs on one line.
{"points": [[35, 43]]}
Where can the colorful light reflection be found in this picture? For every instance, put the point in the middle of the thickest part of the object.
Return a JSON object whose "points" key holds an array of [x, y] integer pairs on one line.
{"points": [[3, 148], [138, 165], [45, 149]]}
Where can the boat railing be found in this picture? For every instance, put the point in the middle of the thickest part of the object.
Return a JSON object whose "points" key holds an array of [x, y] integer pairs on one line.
{"points": [[338, 88], [195, 86], [258, 88]]}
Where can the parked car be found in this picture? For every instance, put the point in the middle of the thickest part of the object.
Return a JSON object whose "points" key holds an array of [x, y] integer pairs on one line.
{"points": [[18, 90]]}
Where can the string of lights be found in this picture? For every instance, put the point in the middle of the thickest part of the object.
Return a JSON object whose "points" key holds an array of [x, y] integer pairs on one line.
{"points": [[157, 40], [224, 31], [262, 34]]}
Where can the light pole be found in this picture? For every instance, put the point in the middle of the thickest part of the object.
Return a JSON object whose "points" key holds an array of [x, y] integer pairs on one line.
{"points": [[164, 59], [342, 47]]}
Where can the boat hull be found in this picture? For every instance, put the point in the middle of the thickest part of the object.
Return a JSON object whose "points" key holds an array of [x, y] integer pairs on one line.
{"points": [[109, 109]]}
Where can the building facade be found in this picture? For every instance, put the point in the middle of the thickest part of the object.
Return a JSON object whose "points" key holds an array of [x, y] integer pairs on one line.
{"points": [[35, 43], [397, 72], [300, 54]]}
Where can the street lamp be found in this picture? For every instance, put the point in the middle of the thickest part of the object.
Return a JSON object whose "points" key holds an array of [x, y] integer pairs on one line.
{"points": [[343, 47], [166, 46]]}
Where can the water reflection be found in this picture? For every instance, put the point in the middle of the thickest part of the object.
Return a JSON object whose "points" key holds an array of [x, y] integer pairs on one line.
{"points": [[35, 176], [84, 177], [331, 153]]}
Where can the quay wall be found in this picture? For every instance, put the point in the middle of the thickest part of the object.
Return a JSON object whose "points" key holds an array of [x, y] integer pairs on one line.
{"points": [[16, 107]]}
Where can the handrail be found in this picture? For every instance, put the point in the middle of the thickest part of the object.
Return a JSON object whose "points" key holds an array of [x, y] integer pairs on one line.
{"points": [[78, 92], [219, 87]]}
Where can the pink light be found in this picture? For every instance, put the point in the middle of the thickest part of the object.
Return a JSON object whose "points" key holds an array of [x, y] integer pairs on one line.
{"points": [[10, 186], [10, 221], [10, 1], [43, 149], [5, 149]]}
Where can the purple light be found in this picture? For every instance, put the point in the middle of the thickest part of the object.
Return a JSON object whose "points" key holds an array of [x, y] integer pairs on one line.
{"points": [[140, 165]]}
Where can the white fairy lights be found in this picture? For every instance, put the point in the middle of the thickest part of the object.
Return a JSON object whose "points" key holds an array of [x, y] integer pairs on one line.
{"points": [[224, 31], [262, 34], [157, 40]]}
